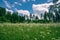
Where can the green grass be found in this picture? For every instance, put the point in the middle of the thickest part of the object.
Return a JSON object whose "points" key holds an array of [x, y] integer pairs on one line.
{"points": [[31, 31]]}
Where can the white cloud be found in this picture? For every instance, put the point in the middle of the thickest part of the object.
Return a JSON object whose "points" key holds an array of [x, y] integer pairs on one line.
{"points": [[28, 0], [41, 8], [49, 0], [7, 10], [7, 4], [24, 0], [15, 9], [13, 5], [24, 12], [58, 1], [20, 4], [16, 2]]}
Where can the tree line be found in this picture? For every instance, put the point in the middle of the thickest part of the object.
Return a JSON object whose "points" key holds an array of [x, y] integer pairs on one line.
{"points": [[8, 17]]}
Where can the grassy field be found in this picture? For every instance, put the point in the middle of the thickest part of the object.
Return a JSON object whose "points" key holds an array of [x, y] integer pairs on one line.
{"points": [[31, 31]]}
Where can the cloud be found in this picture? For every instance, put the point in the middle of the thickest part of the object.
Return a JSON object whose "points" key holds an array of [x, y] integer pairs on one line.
{"points": [[41, 8], [58, 1], [15, 9], [17, 3], [49, 0], [23, 12], [24, 0], [7, 4], [28, 0], [13, 5], [20, 4], [31, 0], [7, 10]]}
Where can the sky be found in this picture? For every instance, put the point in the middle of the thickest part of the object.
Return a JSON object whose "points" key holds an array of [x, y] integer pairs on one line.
{"points": [[25, 6], [20, 4]]}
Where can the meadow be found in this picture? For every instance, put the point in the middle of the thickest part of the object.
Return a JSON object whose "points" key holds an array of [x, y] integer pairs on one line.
{"points": [[29, 31]]}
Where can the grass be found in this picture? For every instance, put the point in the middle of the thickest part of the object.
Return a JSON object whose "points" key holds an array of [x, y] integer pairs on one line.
{"points": [[31, 31]]}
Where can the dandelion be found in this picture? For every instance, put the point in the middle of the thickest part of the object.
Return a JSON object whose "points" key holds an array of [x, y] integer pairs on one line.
{"points": [[48, 32], [35, 38], [21, 29], [27, 36], [53, 38], [42, 32], [43, 36], [28, 29], [56, 31]]}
